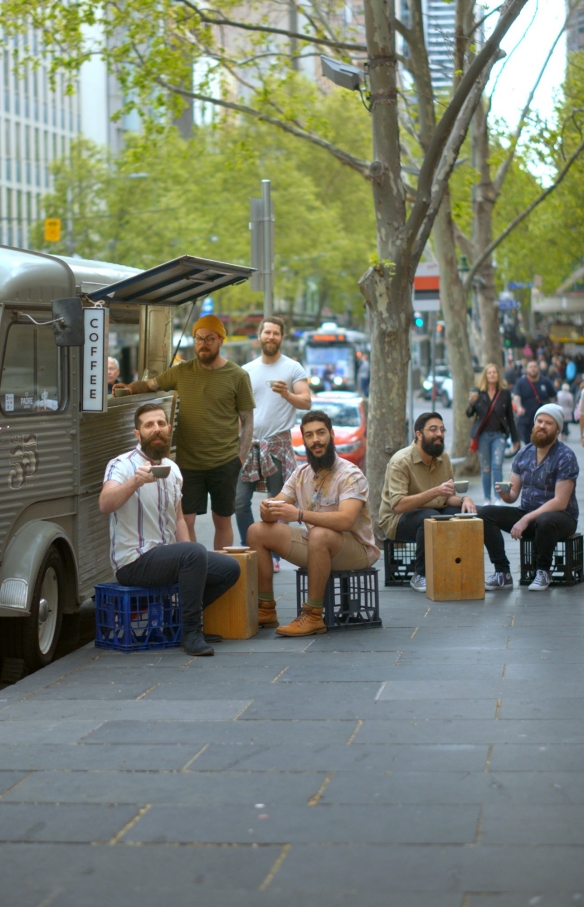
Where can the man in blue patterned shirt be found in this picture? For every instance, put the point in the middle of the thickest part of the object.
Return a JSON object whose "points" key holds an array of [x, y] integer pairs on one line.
{"points": [[545, 474]]}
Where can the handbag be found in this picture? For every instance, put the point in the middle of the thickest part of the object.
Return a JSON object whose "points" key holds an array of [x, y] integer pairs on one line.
{"points": [[474, 444]]}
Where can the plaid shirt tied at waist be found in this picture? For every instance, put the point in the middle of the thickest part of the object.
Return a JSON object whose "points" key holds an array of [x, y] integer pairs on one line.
{"points": [[259, 463]]}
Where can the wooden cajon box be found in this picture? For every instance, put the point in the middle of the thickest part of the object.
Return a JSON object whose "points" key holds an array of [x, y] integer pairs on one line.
{"points": [[235, 614], [455, 566]]}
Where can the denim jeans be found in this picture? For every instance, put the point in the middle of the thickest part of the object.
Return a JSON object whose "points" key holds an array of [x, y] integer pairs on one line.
{"points": [[491, 454], [244, 494]]}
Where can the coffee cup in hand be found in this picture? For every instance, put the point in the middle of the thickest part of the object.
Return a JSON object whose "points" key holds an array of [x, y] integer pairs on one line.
{"points": [[461, 487], [271, 383], [503, 487]]}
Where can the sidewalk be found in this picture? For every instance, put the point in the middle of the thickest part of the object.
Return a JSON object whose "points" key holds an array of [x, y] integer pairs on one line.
{"points": [[438, 762]]}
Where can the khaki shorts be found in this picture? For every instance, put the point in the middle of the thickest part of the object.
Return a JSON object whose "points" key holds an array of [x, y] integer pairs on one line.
{"points": [[352, 555]]}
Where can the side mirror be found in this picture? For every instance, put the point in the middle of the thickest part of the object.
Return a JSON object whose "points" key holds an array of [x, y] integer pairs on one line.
{"points": [[68, 318]]}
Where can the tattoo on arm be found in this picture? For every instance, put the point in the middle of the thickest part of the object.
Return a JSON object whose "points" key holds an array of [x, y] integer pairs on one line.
{"points": [[246, 434]]}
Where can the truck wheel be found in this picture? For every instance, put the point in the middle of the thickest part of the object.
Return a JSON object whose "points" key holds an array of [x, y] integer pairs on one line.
{"points": [[40, 633]]}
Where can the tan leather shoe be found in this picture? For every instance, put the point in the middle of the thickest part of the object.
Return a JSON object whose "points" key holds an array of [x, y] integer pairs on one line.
{"points": [[267, 616], [308, 623]]}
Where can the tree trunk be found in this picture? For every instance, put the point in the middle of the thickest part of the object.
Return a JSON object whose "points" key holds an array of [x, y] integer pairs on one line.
{"points": [[453, 301], [390, 317], [488, 310]]}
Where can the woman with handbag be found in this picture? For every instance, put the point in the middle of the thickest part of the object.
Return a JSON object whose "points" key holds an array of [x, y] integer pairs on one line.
{"points": [[491, 405]]}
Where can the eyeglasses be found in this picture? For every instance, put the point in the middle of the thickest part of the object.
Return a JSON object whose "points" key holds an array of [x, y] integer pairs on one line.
{"points": [[210, 338], [436, 430]]}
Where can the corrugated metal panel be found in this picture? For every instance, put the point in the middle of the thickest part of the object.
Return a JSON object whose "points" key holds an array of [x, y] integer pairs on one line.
{"points": [[93, 529], [36, 465]]}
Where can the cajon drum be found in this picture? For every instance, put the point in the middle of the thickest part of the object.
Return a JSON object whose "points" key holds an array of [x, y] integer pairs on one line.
{"points": [[235, 614], [455, 566]]}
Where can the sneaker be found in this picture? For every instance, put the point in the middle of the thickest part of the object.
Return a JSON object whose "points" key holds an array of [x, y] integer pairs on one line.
{"points": [[541, 581], [267, 616], [499, 581], [276, 564], [487, 502], [418, 583], [308, 623]]}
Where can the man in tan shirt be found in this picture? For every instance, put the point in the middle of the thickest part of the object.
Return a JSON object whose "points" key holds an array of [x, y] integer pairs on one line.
{"points": [[419, 484]]}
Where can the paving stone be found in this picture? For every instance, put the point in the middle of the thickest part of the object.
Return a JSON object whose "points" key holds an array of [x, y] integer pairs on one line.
{"points": [[544, 758], [41, 730], [542, 709], [314, 733], [526, 899], [532, 824], [472, 731], [517, 868], [142, 710], [68, 822], [179, 788], [238, 824], [143, 757], [101, 692], [8, 779]]}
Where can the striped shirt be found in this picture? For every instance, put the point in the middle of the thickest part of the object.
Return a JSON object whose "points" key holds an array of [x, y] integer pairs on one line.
{"points": [[207, 433], [148, 518]]}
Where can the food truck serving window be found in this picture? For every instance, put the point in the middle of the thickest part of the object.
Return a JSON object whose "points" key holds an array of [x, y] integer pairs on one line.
{"points": [[33, 371]]}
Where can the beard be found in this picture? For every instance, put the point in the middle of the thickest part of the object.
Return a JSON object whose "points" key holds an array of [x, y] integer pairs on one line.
{"points": [[207, 357], [432, 448], [270, 347], [156, 447], [325, 460], [542, 438]]}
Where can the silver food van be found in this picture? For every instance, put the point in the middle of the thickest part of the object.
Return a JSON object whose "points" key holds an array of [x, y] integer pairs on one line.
{"points": [[59, 428]]}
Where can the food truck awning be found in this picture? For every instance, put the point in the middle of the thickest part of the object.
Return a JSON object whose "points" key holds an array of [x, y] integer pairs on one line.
{"points": [[180, 280]]}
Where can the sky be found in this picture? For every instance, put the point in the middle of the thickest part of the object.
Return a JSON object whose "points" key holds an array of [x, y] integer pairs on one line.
{"points": [[527, 45]]}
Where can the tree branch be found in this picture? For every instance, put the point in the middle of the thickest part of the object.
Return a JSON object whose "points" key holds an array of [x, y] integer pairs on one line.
{"points": [[270, 30], [520, 217], [505, 165], [344, 157], [462, 241], [449, 118]]}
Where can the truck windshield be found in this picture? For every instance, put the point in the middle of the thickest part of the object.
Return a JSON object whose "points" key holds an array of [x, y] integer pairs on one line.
{"points": [[32, 371]]}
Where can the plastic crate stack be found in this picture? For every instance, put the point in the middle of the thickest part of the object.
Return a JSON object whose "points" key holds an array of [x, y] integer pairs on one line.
{"points": [[567, 564], [351, 599], [132, 618], [400, 562]]}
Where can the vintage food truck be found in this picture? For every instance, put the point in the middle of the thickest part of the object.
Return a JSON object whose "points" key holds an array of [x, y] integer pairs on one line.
{"points": [[59, 428]]}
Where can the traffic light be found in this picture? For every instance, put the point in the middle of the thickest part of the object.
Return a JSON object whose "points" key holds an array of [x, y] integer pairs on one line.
{"points": [[418, 320]]}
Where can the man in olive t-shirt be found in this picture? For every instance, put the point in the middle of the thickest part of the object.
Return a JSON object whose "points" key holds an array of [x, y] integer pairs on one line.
{"points": [[215, 396]]}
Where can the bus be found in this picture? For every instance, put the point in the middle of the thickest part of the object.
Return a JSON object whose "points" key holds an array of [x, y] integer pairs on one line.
{"points": [[331, 356]]}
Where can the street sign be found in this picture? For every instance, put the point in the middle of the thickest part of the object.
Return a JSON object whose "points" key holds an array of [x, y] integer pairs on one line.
{"points": [[508, 304], [208, 306], [96, 323], [521, 285], [52, 229]]}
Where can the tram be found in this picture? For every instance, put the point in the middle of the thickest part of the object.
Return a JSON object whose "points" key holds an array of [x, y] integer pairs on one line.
{"points": [[331, 356]]}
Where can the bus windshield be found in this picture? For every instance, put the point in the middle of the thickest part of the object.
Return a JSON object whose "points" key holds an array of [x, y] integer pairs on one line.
{"points": [[327, 354]]}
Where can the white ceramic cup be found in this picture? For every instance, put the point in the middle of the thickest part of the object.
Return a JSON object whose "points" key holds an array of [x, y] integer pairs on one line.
{"points": [[461, 487]]}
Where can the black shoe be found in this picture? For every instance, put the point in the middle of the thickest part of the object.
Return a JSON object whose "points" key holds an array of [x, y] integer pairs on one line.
{"points": [[194, 643], [213, 637]]}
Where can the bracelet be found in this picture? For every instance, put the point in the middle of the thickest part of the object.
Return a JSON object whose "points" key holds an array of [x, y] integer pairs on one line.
{"points": [[300, 517]]}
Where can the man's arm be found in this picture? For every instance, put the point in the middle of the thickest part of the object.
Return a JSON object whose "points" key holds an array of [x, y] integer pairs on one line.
{"points": [[115, 494], [558, 502], [298, 397], [415, 501], [341, 520], [518, 405], [141, 387], [182, 533], [246, 433]]}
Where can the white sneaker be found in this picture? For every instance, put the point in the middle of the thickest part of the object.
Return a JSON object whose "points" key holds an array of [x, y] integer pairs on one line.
{"points": [[418, 583], [541, 581], [499, 580], [487, 502]]}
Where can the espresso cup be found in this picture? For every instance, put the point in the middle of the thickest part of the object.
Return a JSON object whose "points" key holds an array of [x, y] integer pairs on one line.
{"points": [[271, 383], [160, 472], [461, 487], [503, 487]]}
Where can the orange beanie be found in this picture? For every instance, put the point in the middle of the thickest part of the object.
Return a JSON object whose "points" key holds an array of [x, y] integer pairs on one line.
{"points": [[212, 323]]}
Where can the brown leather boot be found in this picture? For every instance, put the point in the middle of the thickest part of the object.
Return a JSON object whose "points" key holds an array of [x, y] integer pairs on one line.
{"points": [[267, 616], [308, 623]]}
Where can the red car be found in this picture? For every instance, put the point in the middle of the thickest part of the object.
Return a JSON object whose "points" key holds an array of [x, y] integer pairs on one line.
{"points": [[347, 413]]}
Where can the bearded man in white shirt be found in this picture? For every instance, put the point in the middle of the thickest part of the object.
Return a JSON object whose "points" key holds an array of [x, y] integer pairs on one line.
{"points": [[150, 543]]}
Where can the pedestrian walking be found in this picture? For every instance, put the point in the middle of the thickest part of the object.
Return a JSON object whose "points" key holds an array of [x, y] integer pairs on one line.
{"points": [[490, 403], [280, 388], [364, 376], [150, 543], [530, 392], [215, 398], [566, 401]]}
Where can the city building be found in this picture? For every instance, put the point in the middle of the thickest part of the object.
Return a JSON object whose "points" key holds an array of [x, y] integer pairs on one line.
{"points": [[439, 26], [576, 28]]}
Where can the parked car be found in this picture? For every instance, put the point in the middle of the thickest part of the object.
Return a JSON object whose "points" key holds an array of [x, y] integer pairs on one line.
{"points": [[444, 388], [347, 413]]}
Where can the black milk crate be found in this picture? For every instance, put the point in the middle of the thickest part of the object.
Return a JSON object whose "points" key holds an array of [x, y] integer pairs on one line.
{"points": [[567, 564], [351, 598], [400, 562]]}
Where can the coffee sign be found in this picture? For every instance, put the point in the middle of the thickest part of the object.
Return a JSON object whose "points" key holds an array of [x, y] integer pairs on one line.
{"points": [[95, 350]]}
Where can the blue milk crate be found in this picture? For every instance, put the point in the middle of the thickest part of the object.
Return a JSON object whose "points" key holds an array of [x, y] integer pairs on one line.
{"points": [[135, 618]]}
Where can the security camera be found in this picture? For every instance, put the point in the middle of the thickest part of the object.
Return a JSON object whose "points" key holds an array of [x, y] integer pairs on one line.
{"points": [[342, 74]]}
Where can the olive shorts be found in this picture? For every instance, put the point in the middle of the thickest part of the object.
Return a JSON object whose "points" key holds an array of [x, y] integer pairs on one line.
{"points": [[352, 555]]}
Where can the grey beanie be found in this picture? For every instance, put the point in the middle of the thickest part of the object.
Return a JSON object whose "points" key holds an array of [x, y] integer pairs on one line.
{"points": [[553, 410]]}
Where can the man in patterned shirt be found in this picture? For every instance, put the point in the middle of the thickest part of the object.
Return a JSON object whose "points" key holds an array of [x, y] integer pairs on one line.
{"points": [[545, 474], [149, 537], [329, 496]]}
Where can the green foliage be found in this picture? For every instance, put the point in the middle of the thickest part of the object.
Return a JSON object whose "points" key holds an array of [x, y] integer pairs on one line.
{"points": [[165, 196]]}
